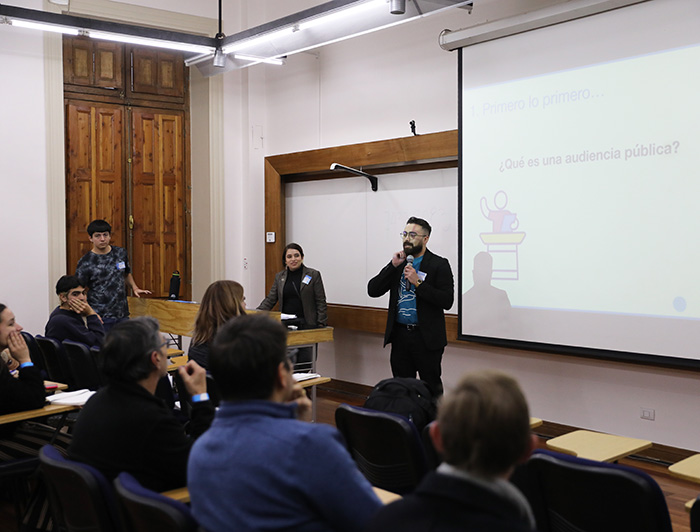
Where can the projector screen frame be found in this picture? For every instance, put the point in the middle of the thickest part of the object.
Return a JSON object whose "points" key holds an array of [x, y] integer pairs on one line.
{"points": [[667, 361]]}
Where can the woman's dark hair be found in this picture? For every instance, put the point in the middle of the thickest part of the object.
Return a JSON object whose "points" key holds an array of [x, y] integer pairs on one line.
{"points": [[2, 309], [291, 245], [126, 354]]}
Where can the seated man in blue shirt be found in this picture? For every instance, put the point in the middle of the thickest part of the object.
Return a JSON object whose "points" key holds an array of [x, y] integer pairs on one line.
{"points": [[258, 467], [74, 319]]}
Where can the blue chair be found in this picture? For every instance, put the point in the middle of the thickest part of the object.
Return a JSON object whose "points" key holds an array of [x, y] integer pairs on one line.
{"points": [[386, 447], [144, 510], [568, 493], [82, 499]]}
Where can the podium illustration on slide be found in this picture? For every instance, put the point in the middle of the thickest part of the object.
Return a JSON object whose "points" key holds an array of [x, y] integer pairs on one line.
{"points": [[503, 241]]}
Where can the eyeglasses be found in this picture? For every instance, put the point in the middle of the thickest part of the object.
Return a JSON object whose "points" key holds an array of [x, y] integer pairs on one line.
{"points": [[411, 235]]}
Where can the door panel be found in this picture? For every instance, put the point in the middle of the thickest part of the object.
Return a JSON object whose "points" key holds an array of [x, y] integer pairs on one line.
{"points": [[94, 183], [158, 196]]}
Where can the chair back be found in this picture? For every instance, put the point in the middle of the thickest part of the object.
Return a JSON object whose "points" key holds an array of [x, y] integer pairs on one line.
{"points": [[83, 365], [55, 360], [695, 516], [433, 457], [35, 353], [144, 510], [82, 499], [574, 494], [386, 447]]}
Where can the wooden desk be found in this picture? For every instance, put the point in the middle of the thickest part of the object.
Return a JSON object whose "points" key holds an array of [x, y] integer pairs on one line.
{"points": [[177, 362], [688, 469], [52, 386], [177, 317], [183, 495], [597, 445], [535, 422], [48, 410], [386, 496]]}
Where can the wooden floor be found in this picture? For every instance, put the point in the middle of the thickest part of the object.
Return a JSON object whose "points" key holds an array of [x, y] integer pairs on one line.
{"points": [[677, 491]]}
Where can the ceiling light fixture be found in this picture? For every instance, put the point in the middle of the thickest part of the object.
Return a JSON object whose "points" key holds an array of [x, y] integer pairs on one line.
{"points": [[269, 60]]}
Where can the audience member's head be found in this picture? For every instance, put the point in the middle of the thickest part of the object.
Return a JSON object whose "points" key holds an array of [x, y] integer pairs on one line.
{"points": [[126, 354], [8, 325], [98, 226], [246, 356], [483, 425], [222, 301], [70, 287]]}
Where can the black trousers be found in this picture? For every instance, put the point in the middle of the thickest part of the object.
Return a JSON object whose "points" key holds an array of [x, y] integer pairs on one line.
{"points": [[409, 355]]}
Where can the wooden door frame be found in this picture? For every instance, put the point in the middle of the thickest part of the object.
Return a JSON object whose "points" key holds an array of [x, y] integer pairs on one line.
{"points": [[406, 154]]}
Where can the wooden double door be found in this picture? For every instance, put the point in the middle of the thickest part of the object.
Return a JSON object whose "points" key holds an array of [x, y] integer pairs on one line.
{"points": [[127, 164]]}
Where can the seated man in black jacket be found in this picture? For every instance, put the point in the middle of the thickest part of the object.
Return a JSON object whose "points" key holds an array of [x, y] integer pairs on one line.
{"points": [[124, 426], [74, 319], [482, 431]]}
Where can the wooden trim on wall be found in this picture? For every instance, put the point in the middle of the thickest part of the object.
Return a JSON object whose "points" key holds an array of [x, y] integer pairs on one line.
{"points": [[419, 152]]}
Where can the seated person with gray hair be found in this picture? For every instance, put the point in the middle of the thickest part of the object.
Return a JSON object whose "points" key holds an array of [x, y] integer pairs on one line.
{"points": [[124, 426], [483, 432], [74, 319], [259, 467]]}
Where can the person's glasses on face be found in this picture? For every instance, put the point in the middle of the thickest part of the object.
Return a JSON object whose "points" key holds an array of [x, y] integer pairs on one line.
{"points": [[410, 234]]}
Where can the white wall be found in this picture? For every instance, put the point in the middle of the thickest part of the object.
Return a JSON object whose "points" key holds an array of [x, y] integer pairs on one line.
{"points": [[369, 88], [24, 284], [355, 91]]}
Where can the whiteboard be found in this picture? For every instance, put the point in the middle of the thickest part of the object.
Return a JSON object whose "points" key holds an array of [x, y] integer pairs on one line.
{"points": [[349, 233]]}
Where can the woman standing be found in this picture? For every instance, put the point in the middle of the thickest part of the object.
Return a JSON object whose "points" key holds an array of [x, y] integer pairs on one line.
{"points": [[299, 290], [222, 301]]}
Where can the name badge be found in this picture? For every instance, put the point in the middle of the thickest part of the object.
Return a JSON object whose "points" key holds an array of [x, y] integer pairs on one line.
{"points": [[121, 265], [306, 280], [422, 275]]}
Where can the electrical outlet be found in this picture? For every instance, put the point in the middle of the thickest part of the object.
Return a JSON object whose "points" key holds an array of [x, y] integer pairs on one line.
{"points": [[647, 413]]}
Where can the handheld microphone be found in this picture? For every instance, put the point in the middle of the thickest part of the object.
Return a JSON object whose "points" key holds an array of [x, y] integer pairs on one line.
{"points": [[409, 260]]}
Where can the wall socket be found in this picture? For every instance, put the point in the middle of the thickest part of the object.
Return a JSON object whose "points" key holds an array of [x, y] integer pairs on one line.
{"points": [[647, 413]]}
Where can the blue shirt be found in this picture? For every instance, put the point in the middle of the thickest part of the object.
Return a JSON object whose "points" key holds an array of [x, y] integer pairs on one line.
{"points": [[104, 275], [258, 468], [406, 311]]}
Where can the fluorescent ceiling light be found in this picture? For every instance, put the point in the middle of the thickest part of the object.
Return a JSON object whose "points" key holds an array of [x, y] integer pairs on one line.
{"points": [[256, 41], [43, 27], [337, 16], [270, 61], [144, 41]]}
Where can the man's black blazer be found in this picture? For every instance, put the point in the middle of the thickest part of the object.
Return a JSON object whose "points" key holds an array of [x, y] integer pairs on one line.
{"points": [[433, 297]]}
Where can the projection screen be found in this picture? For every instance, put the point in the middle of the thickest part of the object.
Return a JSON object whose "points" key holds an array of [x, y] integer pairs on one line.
{"points": [[580, 183]]}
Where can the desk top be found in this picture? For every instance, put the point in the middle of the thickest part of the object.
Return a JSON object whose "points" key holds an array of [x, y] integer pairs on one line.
{"points": [[597, 445], [687, 469], [314, 382], [48, 410], [535, 422], [52, 386], [177, 317], [176, 362], [183, 495]]}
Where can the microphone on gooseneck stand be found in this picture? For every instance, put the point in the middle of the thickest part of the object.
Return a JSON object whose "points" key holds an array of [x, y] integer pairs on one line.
{"points": [[174, 292], [409, 260]]}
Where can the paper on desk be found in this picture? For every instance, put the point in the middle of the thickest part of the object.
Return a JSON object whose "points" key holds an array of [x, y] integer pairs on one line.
{"points": [[305, 376], [78, 397], [284, 316]]}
